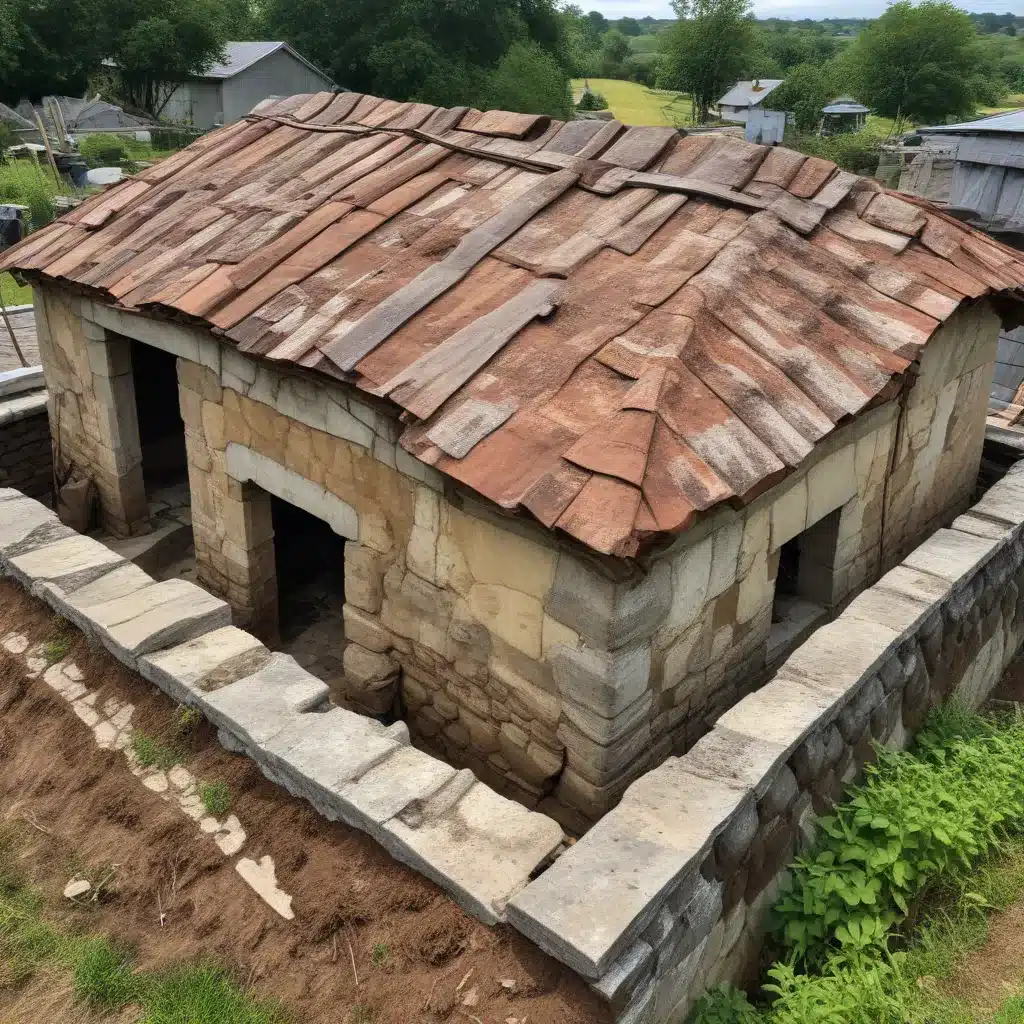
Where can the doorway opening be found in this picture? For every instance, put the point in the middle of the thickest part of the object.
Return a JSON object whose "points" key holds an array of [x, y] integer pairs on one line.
{"points": [[309, 559], [161, 430], [804, 586]]}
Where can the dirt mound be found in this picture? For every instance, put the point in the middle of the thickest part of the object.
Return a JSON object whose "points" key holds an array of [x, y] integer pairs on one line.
{"points": [[85, 811]]}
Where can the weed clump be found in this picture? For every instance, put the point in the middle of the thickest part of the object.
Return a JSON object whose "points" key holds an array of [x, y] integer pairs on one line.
{"points": [[151, 753], [216, 797]]}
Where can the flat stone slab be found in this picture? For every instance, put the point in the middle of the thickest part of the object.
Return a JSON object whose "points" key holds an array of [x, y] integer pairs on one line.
{"points": [[314, 755], [406, 776], [951, 555], [162, 615], [204, 664], [482, 852], [597, 898], [912, 583], [121, 582], [258, 707], [69, 563], [21, 517], [1003, 501]]}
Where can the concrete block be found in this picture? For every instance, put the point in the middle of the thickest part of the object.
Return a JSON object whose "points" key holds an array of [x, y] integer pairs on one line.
{"points": [[608, 614], [69, 563], [260, 705], [605, 683], [206, 663], [600, 895], [481, 852], [162, 615]]}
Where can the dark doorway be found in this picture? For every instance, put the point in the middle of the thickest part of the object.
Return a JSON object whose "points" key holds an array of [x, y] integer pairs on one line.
{"points": [[161, 431], [310, 561]]}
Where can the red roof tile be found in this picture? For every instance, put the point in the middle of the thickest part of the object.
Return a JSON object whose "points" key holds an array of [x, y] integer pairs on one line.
{"points": [[610, 329]]}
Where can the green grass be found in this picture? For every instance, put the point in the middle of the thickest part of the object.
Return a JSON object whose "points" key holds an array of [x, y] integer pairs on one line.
{"points": [[104, 972], [645, 44], [12, 293], [216, 797], [633, 103], [151, 753], [26, 183]]}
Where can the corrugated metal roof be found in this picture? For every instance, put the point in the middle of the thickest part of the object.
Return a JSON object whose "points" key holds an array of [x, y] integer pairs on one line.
{"points": [[743, 94], [845, 105], [1012, 121], [610, 329], [240, 56]]}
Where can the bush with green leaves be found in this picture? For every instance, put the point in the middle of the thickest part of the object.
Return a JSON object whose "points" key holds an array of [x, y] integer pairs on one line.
{"points": [[918, 817], [591, 100], [104, 150]]}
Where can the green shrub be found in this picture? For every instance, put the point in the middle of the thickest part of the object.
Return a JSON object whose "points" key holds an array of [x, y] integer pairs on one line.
{"points": [[151, 753], [591, 100], [216, 797], [103, 150], [918, 817]]}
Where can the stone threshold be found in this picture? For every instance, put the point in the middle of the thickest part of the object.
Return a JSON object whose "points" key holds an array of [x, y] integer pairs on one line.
{"points": [[478, 846]]}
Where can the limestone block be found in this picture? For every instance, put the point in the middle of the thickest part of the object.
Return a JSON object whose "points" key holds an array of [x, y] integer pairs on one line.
{"points": [[625, 976], [980, 526], [951, 555], [725, 552], [789, 514], [502, 558], [481, 852], [482, 733], [123, 581], [690, 653], [244, 464], [691, 574], [600, 895], [316, 756], [607, 731], [341, 423], [609, 615], [452, 567], [1003, 502], [365, 630], [512, 615], [757, 529], [410, 466], [364, 578], [742, 760], [21, 516], [259, 706], [915, 585], [421, 553], [69, 563], [162, 615], [831, 483], [756, 589], [368, 670], [838, 656], [890, 608], [427, 510], [206, 663], [599, 764], [407, 776], [538, 703], [605, 683]]}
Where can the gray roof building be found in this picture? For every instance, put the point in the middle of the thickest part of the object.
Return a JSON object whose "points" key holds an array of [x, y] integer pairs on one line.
{"points": [[736, 104]]}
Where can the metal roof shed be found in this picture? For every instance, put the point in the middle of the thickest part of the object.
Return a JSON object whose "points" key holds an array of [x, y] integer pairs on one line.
{"points": [[250, 73]]}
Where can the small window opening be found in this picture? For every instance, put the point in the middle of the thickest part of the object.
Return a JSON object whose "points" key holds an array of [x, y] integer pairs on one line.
{"points": [[804, 586]]}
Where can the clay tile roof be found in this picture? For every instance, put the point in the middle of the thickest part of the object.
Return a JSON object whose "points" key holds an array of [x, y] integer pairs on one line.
{"points": [[611, 329]]}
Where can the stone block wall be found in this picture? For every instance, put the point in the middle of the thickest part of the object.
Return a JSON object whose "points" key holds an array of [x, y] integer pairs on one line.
{"points": [[557, 677], [666, 896], [25, 460]]}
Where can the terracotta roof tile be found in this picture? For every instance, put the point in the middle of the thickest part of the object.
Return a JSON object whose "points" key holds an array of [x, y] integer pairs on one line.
{"points": [[609, 329]]}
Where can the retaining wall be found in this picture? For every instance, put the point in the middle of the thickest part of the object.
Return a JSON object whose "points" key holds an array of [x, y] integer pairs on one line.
{"points": [[666, 896], [26, 461]]}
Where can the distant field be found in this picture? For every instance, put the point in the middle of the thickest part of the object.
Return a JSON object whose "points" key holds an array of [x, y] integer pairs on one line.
{"points": [[636, 104], [645, 44]]}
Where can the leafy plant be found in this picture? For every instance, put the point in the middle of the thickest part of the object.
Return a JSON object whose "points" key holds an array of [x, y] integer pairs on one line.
{"points": [[216, 797], [591, 100], [917, 818], [187, 719], [724, 1005], [380, 954]]}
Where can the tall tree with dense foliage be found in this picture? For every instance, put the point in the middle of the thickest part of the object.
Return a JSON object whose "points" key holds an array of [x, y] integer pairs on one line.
{"points": [[805, 91], [917, 62], [438, 51], [707, 47], [529, 79]]}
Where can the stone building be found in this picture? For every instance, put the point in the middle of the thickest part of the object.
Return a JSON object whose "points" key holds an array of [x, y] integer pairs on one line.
{"points": [[578, 429]]}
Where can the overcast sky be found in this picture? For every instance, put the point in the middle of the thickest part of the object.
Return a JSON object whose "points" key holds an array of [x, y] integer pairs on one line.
{"points": [[788, 8]]}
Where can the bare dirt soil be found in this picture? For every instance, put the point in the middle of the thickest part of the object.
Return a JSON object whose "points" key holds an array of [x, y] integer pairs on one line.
{"points": [[84, 810], [996, 971]]}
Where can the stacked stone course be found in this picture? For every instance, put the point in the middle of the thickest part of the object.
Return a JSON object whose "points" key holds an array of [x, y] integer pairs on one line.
{"points": [[26, 463]]}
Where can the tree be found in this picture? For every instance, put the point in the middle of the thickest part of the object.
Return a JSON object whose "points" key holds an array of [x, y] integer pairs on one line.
{"points": [[155, 44], [707, 47], [805, 91], [629, 27], [614, 53], [530, 80], [917, 62], [598, 23]]}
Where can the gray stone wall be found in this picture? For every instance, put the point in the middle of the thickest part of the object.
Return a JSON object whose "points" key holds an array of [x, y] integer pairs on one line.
{"points": [[666, 896], [25, 459]]}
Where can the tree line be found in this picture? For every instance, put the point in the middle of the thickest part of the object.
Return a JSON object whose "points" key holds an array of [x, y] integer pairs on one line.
{"points": [[927, 62]]}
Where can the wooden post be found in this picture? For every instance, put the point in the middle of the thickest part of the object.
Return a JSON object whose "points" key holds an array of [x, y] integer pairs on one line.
{"points": [[49, 148], [10, 331]]}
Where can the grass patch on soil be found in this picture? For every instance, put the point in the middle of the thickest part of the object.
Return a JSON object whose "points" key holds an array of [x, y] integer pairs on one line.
{"points": [[105, 975], [887, 920], [216, 797], [152, 753], [633, 103], [12, 293]]}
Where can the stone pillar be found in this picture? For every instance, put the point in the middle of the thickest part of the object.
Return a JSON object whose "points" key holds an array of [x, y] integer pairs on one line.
{"points": [[117, 465]]}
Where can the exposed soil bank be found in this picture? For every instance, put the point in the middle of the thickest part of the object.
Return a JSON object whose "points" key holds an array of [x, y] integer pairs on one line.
{"points": [[83, 809]]}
